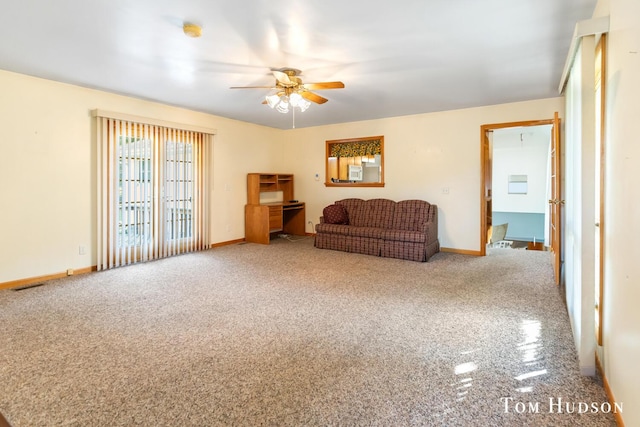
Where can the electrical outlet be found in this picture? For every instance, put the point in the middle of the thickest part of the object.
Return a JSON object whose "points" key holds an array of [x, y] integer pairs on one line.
{"points": [[82, 250], [445, 190]]}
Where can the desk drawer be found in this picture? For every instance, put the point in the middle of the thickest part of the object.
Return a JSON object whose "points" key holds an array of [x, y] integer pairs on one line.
{"points": [[275, 218]]}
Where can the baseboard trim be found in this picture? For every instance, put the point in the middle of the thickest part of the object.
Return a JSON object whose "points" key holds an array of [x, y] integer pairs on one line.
{"points": [[227, 243], [461, 251], [607, 389], [31, 280]]}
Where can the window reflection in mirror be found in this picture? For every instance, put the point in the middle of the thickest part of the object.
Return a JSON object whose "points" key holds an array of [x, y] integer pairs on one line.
{"points": [[355, 162]]}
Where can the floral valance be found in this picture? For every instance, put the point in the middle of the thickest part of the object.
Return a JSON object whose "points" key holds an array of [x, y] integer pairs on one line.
{"points": [[356, 149]]}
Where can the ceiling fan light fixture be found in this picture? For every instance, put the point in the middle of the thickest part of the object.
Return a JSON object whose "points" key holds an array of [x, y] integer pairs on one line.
{"points": [[303, 105], [283, 105], [272, 100], [295, 99], [298, 101], [282, 108]]}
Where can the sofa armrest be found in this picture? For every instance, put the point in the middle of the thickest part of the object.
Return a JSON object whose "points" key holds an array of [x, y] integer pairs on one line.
{"points": [[430, 227], [431, 231], [433, 219]]}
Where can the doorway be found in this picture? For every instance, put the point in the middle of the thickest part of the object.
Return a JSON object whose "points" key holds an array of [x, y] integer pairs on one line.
{"points": [[512, 185], [520, 185]]}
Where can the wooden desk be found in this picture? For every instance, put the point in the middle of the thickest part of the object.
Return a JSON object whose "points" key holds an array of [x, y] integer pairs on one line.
{"points": [[260, 221]]}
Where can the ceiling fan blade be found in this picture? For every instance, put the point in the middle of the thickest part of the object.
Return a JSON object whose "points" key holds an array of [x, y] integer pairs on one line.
{"points": [[324, 85], [310, 96], [282, 77]]}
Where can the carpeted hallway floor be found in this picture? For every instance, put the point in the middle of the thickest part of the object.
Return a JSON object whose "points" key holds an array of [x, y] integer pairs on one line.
{"points": [[289, 335]]}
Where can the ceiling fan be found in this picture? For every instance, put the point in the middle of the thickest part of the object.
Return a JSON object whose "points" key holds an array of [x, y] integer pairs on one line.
{"points": [[289, 90]]}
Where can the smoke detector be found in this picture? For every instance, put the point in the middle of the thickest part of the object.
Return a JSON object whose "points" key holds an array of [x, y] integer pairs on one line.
{"points": [[192, 30]]}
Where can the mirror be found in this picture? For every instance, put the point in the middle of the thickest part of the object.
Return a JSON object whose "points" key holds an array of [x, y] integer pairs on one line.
{"points": [[355, 162]]}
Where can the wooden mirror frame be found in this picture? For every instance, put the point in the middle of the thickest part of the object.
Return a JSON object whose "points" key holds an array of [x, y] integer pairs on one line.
{"points": [[329, 148]]}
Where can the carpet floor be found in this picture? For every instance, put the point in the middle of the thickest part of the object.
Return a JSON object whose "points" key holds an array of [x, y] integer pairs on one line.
{"points": [[290, 335]]}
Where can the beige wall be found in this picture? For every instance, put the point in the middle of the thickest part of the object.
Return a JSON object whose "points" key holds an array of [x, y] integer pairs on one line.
{"points": [[621, 323], [47, 178], [423, 154]]}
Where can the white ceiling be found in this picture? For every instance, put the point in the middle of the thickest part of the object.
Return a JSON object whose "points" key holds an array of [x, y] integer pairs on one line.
{"points": [[395, 57]]}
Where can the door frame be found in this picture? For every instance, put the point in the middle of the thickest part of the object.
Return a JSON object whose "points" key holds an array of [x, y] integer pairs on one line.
{"points": [[600, 83], [486, 164]]}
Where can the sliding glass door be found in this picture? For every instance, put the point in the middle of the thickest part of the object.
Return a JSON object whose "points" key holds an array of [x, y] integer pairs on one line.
{"points": [[152, 192]]}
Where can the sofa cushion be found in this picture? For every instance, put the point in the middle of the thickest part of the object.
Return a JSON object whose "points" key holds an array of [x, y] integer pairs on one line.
{"points": [[335, 214], [411, 215], [355, 211], [379, 213], [366, 232], [340, 229]]}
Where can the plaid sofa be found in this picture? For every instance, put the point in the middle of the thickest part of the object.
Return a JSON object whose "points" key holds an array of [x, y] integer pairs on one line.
{"points": [[407, 229]]}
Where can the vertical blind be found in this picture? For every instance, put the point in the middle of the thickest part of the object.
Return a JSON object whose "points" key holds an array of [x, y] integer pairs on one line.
{"points": [[152, 191]]}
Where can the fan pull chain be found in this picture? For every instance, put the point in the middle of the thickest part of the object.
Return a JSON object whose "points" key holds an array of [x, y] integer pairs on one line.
{"points": [[293, 115]]}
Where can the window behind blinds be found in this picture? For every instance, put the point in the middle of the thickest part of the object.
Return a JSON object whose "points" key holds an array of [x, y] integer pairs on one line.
{"points": [[152, 191]]}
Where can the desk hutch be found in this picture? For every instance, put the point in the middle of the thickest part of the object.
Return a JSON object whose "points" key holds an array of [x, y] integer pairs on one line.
{"points": [[263, 219]]}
